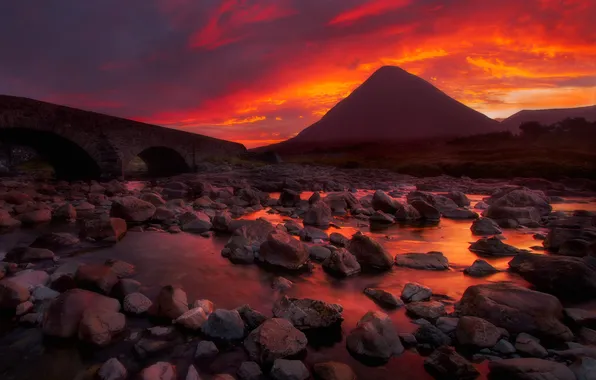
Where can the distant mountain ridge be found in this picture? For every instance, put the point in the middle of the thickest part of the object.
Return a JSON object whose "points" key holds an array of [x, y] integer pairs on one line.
{"points": [[548, 116]]}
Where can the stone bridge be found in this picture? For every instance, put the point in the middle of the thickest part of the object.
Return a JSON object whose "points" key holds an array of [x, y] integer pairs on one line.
{"points": [[83, 145]]}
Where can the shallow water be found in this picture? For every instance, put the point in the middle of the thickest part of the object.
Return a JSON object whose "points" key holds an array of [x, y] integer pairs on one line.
{"points": [[195, 264]]}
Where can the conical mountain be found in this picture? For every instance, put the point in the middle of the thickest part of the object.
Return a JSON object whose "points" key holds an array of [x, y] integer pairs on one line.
{"points": [[394, 105]]}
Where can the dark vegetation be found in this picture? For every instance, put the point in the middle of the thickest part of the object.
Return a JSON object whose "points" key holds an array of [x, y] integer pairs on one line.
{"points": [[561, 150]]}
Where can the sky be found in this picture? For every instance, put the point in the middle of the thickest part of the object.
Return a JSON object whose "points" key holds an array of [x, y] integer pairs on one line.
{"points": [[260, 71]]}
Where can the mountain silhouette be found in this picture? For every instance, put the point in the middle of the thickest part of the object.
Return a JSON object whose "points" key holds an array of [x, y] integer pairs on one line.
{"points": [[548, 116], [394, 105]]}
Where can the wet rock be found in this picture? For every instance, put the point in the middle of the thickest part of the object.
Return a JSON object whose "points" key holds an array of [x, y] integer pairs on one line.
{"points": [[99, 326], [575, 248], [504, 347], [369, 253], [425, 261], [494, 247], [289, 370], [521, 197], [23, 308], [155, 199], [426, 211], [289, 198], [527, 345], [341, 202], [132, 209], [557, 236], [383, 298], [251, 317], [333, 371], [64, 314], [447, 324], [225, 325], [282, 250], [516, 309], [206, 349], [99, 278], [112, 229], [374, 338], [121, 268], [35, 217], [380, 217], [221, 221], [28, 254], [112, 370], [56, 241], [341, 263], [206, 305], [477, 332], [485, 226], [569, 278], [431, 335], [276, 338], [319, 253], [414, 292], [310, 233], [136, 303], [460, 199], [30, 278], [480, 268], [306, 313], [125, 287], [239, 250], [254, 231], [459, 213], [407, 213], [581, 317], [446, 363], [195, 222], [159, 371], [529, 369], [513, 216], [383, 202], [65, 213], [163, 214], [171, 303], [7, 221], [584, 368], [317, 215], [249, 371], [587, 336], [428, 310], [281, 284], [42, 293]]}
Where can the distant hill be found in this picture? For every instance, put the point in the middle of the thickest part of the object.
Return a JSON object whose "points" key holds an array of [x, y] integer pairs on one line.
{"points": [[394, 105], [548, 116]]}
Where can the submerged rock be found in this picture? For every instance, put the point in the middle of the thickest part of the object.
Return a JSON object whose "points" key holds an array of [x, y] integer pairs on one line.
{"points": [[480, 268], [494, 247], [427, 261], [383, 298], [305, 313], [12, 294], [485, 226], [414, 292], [276, 338], [28, 254]]}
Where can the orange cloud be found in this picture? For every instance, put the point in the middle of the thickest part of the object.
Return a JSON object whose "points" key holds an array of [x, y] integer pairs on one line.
{"points": [[371, 8]]}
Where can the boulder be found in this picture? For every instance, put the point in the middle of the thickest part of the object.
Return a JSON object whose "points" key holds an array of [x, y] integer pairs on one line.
{"points": [[136, 303], [289, 198], [224, 325], [428, 310], [64, 314], [584, 368], [319, 253], [289, 370], [153, 198], [7, 221], [383, 202], [432, 336], [306, 313], [310, 233], [158, 371], [415, 292], [338, 240], [171, 303], [251, 317], [65, 213], [317, 215], [12, 294], [28, 254], [56, 241], [460, 199], [132, 209], [447, 324], [112, 229], [529, 369], [276, 338], [35, 217], [206, 349], [494, 247], [407, 213], [459, 213], [427, 212], [383, 298], [96, 277], [112, 370], [221, 221], [480, 268], [30, 278], [333, 371], [527, 345], [341, 263], [515, 309], [99, 326], [374, 337], [446, 363], [369, 253], [521, 197], [504, 215], [558, 236], [282, 250], [249, 371], [425, 261], [477, 332], [485, 226]]}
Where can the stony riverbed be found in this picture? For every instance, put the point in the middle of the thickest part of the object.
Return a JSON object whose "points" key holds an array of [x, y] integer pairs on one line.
{"points": [[296, 272]]}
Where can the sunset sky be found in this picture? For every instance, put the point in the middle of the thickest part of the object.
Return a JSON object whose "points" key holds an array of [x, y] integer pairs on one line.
{"points": [[259, 71]]}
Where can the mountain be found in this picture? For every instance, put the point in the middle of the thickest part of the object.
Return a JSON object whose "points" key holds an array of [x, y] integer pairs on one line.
{"points": [[394, 105], [548, 116]]}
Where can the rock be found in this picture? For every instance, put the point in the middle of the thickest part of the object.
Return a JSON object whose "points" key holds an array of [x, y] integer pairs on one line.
{"points": [[155, 199], [446, 363], [529, 369], [289, 198], [249, 371], [504, 216], [136, 303], [30, 278], [8, 222], [459, 213], [254, 231], [477, 332], [239, 250], [587, 336], [192, 373], [221, 221], [584, 368], [379, 217], [494, 247], [521, 197], [427, 310], [289, 370], [196, 223], [125, 287], [64, 314], [276, 338], [206, 349], [369, 253], [319, 253], [568, 278], [35, 217], [42, 293], [23, 308], [225, 325], [414, 292], [56, 241], [65, 213], [95, 277], [171, 303], [408, 340], [480, 268], [383, 298], [426, 211], [447, 324], [333, 371], [407, 213], [282, 250], [132, 209], [310, 233], [281, 283], [425, 261], [112, 229], [251, 317], [485, 226], [374, 337], [581, 317], [515, 309], [504, 347], [528, 345], [159, 371], [28, 254], [317, 215], [341, 263], [121, 268], [206, 305], [99, 326], [383, 202], [112, 370], [431, 335], [305, 313], [460, 199], [558, 236]]}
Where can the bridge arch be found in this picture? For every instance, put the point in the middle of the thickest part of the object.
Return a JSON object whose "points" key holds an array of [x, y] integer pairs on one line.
{"points": [[69, 160], [163, 161]]}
